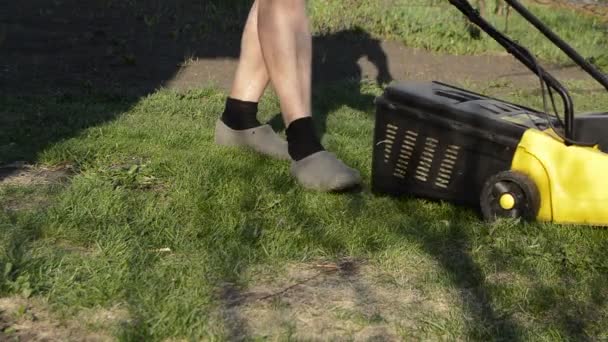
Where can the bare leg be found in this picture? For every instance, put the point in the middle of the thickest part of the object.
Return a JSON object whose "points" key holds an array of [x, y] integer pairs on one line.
{"points": [[287, 48], [251, 77], [239, 125], [286, 42], [284, 47]]}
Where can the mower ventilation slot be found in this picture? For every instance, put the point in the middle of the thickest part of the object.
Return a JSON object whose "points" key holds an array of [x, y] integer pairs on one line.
{"points": [[447, 166], [389, 141], [426, 159], [435, 141], [405, 154]]}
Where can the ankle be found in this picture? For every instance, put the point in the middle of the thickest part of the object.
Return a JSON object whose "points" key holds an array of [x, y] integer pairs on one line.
{"points": [[302, 139], [240, 115]]}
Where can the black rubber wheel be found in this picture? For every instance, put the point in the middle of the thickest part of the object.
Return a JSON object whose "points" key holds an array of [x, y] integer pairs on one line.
{"points": [[517, 189]]}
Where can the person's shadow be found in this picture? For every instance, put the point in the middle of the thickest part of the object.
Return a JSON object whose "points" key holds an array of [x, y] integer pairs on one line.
{"points": [[337, 69], [115, 53]]}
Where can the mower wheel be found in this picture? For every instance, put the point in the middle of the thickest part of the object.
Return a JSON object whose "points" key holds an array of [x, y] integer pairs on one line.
{"points": [[510, 194]]}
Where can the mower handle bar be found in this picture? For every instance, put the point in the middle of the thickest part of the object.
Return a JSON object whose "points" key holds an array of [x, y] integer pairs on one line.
{"points": [[567, 49], [523, 56]]}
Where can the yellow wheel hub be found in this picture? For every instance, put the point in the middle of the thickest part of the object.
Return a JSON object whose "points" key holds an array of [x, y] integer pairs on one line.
{"points": [[507, 201]]}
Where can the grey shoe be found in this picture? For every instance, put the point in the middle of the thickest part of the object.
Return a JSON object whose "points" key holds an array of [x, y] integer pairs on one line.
{"points": [[262, 139], [323, 171]]}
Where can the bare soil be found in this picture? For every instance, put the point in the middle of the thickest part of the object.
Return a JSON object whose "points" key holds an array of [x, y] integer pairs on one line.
{"points": [[29, 320], [22, 173], [346, 300]]}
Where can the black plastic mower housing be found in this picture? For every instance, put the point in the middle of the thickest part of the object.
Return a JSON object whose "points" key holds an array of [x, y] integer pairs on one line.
{"points": [[441, 142], [592, 128]]}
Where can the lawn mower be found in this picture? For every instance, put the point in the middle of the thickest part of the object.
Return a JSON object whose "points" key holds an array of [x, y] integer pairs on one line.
{"points": [[441, 142]]}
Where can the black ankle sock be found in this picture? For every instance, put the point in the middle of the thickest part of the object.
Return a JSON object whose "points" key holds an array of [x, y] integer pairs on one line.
{"points": [[302, 140], [240, 115]]}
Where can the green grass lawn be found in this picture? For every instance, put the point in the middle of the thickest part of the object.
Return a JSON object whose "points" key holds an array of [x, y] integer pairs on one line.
{"points": [[153, 179], [174, 231], [439, 26]]}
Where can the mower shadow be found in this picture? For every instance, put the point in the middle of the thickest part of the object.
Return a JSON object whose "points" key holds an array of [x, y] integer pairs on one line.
{"points": [[450, 246], [336, 70]]}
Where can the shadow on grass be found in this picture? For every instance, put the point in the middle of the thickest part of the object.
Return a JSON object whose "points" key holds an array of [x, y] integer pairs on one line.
{"points": [[28, 125], [566, 304], [68, 66], [55, 54], [450, 246], [572, 301], [336, 71]]}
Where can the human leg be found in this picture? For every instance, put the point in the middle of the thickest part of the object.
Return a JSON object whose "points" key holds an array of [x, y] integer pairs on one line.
{"points": [[239, 125], [286, 44]]}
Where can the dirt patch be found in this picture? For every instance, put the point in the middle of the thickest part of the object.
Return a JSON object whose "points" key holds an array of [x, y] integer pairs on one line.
{"points": [[29, 320], [398, 63], [22, 173], [32, 203], [348, 300]]}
